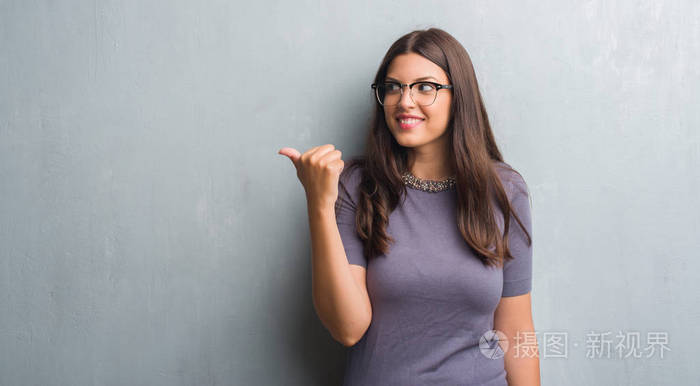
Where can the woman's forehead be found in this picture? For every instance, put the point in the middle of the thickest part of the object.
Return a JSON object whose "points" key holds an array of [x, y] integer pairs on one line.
{"points": [[429, 77], [413, 67]]}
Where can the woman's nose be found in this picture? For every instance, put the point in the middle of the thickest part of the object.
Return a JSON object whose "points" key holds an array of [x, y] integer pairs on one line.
{"points": [[406, 99]]}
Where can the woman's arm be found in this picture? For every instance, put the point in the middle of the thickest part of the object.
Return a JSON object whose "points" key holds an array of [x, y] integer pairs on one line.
{"points": [[513, 317], [339, 288]]}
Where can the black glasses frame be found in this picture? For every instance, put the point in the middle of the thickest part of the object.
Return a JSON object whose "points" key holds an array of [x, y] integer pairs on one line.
{"points": [[438, 87]]}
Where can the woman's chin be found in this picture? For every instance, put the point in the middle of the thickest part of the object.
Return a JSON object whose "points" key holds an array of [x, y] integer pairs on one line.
{"points": [[402, 137], [406, 143]]}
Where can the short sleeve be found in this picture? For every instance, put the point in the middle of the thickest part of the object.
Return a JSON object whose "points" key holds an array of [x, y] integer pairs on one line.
{"points": [[517, 273], [345, 209]]}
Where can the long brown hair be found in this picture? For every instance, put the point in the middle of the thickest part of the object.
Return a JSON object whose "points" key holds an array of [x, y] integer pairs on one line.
{"points": [[473, 152]]}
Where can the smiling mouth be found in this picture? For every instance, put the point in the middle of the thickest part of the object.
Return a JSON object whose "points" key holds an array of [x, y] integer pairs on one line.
{"points": [[409, 123]]}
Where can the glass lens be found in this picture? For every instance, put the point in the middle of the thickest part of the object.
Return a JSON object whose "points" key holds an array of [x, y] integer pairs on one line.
{"points": [[389, 93], [424, 93]]}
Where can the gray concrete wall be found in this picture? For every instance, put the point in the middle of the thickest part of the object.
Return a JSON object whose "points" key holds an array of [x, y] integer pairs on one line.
{"points": [[150, 234]]}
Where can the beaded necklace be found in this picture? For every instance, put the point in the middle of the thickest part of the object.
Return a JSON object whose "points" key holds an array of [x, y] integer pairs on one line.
{"points": [[431, 186]]}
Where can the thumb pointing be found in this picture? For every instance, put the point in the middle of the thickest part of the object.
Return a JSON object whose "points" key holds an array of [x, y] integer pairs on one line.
{"points": [[292, 153]]}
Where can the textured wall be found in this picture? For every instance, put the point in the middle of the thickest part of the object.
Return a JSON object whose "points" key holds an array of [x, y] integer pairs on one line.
{"points": [[150, 234]]}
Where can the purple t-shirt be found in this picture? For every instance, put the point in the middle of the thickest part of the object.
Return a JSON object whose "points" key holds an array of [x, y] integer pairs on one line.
{"points": [[432, 298]]}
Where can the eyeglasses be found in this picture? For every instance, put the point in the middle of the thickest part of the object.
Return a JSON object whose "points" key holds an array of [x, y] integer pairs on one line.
{"points": [[390, 93]]}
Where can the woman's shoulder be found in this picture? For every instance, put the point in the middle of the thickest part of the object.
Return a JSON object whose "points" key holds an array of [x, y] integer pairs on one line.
{"points": [[351, 177], [352, 171], [510, 178]]}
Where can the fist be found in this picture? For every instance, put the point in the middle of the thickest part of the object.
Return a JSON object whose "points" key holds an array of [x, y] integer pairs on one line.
{"points": [[318, 170]]}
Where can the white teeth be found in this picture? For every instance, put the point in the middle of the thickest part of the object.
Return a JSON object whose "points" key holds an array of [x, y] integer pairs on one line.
{"points": [[410, 121]]}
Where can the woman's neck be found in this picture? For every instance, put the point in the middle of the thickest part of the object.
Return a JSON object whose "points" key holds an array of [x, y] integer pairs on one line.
{"points": [[430, 166]]}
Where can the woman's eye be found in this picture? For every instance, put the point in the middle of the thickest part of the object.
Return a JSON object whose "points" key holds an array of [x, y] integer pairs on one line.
{"points": [[425, 87]]}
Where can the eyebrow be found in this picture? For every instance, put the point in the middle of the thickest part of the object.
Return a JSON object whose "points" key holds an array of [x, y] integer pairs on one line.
{"points": [[423, 78]]}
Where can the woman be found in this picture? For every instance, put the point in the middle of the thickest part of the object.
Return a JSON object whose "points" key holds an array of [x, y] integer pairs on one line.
{"points": [[409, 241]]}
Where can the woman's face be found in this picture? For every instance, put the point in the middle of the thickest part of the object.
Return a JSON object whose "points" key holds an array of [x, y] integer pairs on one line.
{"points": [[407, 68]]}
